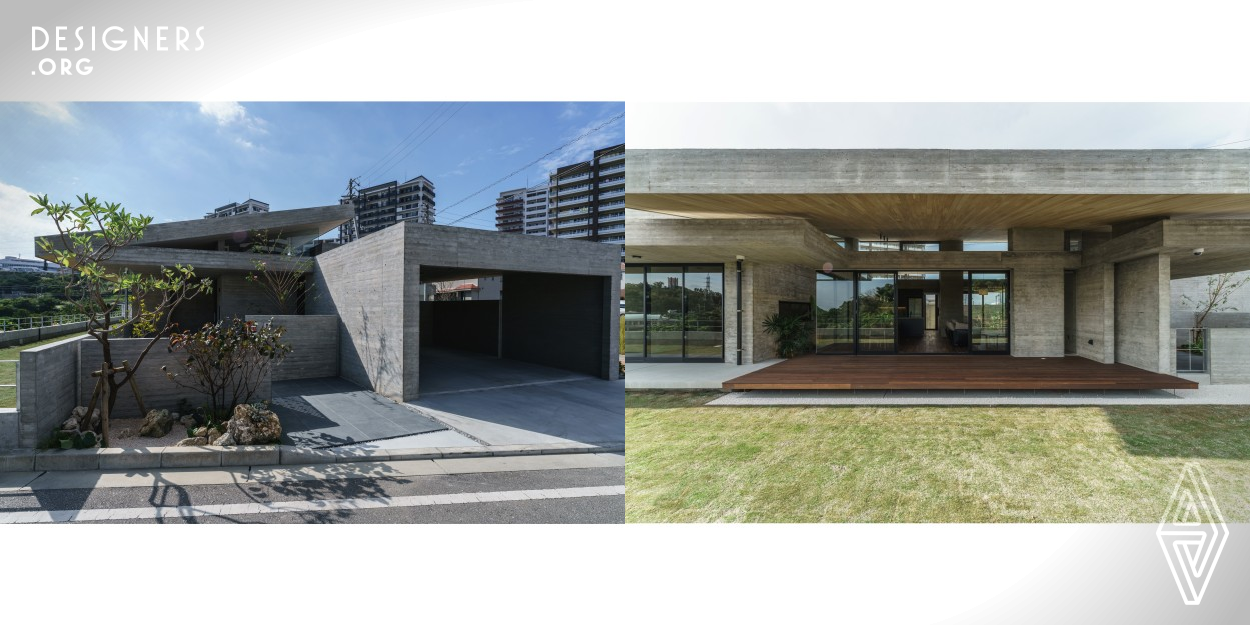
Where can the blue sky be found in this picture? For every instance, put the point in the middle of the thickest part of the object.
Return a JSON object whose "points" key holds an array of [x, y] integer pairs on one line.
{"points": [[177, 161]]}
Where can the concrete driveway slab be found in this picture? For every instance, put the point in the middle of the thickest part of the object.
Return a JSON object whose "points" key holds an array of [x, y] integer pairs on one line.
{"points": [[331, 412]]}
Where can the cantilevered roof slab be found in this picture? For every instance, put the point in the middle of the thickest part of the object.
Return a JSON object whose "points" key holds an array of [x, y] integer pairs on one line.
{"points": [[941, 194]]}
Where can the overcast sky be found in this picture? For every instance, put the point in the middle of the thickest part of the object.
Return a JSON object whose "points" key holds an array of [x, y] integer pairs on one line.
{"points": [[180, 160], [953, 125]]}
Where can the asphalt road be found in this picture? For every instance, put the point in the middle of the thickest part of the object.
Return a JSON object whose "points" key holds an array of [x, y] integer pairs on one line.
{"points": [[554, 496]]}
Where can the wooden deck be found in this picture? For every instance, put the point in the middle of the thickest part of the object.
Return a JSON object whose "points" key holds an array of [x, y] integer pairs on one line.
{"points": [[963, 372]]}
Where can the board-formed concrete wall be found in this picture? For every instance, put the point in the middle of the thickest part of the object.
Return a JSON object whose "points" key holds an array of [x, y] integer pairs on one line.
{"points": [[48, 386], [34, 335], [767, 284], [236, 297], [1143, 336], [376, 295], [159, 393], [1229, 355], [1094, 292], [1037, 312], [314, 341]]}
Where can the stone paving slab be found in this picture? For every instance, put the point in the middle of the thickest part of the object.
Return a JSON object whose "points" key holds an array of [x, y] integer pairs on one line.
{"points": [[330, 412]]}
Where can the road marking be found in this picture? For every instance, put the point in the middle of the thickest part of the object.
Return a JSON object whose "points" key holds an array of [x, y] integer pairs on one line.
{"points": [[319, 505]]}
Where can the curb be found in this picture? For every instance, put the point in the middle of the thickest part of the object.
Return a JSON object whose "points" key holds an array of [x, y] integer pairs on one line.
{"points": [[120, 458]]}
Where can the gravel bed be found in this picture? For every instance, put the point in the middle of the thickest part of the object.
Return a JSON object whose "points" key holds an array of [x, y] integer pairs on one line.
{"points": [[132, 439]]}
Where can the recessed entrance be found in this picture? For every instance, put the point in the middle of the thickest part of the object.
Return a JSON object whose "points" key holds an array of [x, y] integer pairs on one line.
{"points": [[912, 312]]}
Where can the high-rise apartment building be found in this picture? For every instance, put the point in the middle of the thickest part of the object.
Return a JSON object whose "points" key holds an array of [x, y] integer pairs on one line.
{"points": [[536, 209], [239, 208], [510, 211], [389, 203], [587, 200]]}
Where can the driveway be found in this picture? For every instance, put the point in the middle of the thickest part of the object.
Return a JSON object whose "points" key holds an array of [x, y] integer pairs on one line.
{"points": [[505, 402]]}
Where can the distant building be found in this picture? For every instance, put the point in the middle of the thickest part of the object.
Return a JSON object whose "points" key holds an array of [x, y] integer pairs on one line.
{"points": [[510, 211], [239, 208], [488, 288], [387, 204], [536, 205], [523, 211], [587, 200], [28, 265]]}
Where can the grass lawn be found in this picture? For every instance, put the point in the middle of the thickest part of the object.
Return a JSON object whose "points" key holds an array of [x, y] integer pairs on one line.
{"points": [[8, 370], [688, 462]]}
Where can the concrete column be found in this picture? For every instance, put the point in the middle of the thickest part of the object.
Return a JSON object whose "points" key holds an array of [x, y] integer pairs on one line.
{"points": [[1037, 296], [951, 285], [1142, 314], [731, 313], [1228, 355], [1095, 312], [764, 286]]}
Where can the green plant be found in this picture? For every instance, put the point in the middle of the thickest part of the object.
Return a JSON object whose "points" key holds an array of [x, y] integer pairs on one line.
{"points": [[790, 333], [286, 288], [226, 361], [89, 236]]}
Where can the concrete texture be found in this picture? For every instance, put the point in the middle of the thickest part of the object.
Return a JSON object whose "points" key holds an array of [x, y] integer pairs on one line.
{"points": [[314, 341], [10, 428], [373, 291], [1230, 356], [1037, 313], [34, 335], [159, 393], [687, 375], [1094, 305], [768, 284], [236, 297], [1035, 240], [329, 412], [1143, 335], [376, 293], [47, 389], [499, 402]]}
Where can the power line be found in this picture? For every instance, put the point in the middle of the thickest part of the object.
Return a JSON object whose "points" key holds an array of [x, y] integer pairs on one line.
{"points": [[400, 145], [528, 165], [422, 142], [1224, 144]]}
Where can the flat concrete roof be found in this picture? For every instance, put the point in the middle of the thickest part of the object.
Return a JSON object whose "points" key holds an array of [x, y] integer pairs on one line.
{"points": [[941, 194]]}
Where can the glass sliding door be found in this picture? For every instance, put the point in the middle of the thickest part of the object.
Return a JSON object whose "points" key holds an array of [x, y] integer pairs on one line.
{"points": [[875, 323], [704, 322], [988, 312], [634, 323], [664, 313], [835, 312], [673, 313]]}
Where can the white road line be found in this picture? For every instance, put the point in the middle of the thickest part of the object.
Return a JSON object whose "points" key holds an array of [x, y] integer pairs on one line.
{"points": [[319, 505]]}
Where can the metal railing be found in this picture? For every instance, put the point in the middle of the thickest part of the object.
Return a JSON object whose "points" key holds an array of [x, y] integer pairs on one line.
{"points": [[27, 323], [1193, 345]]}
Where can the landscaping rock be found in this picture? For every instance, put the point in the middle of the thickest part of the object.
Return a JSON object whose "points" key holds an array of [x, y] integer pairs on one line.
{"points": [[197, 441], [225, 440], [187, 421], [156, 424], [70, 425], [250, 425], [213, 434]]}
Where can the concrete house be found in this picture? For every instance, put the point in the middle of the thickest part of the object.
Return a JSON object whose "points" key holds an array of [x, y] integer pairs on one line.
{"points": [[365, 320], [984, 255]]}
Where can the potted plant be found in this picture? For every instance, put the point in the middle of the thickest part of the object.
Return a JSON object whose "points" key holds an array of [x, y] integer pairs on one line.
{"points": [[789, 332]]}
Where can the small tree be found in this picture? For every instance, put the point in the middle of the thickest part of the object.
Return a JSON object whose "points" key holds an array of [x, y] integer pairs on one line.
{"points": [[90, 234], [227, 362], [1220, 287], [285, 288]]}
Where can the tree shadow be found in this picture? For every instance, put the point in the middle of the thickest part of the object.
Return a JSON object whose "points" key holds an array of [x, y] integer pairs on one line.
{"points": [[1208, 431]]}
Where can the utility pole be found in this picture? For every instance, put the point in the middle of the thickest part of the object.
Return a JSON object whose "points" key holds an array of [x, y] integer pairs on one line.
{"points": [[348, 231]]}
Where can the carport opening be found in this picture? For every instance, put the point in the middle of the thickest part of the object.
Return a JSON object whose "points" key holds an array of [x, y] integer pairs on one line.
{"points": [[558, 321]]}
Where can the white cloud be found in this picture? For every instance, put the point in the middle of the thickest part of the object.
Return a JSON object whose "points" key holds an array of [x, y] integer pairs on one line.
{"points": [[224, 113], [583, 150], [234, 120], [570, 110], [55, 111], [20, 227]]}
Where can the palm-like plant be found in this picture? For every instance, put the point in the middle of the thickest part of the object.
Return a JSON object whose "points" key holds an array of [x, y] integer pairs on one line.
{"points": [[790, 333]]}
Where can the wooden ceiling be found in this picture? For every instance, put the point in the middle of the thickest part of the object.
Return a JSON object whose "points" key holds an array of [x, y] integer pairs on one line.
{"points": [[915, 216]]}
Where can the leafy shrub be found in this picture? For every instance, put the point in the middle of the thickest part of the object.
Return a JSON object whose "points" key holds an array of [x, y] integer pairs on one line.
{"points": [[226, 361]]}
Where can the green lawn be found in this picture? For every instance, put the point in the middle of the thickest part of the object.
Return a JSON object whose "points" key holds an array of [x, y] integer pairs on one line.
{"points": [[8, 370], [957, 464]]}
